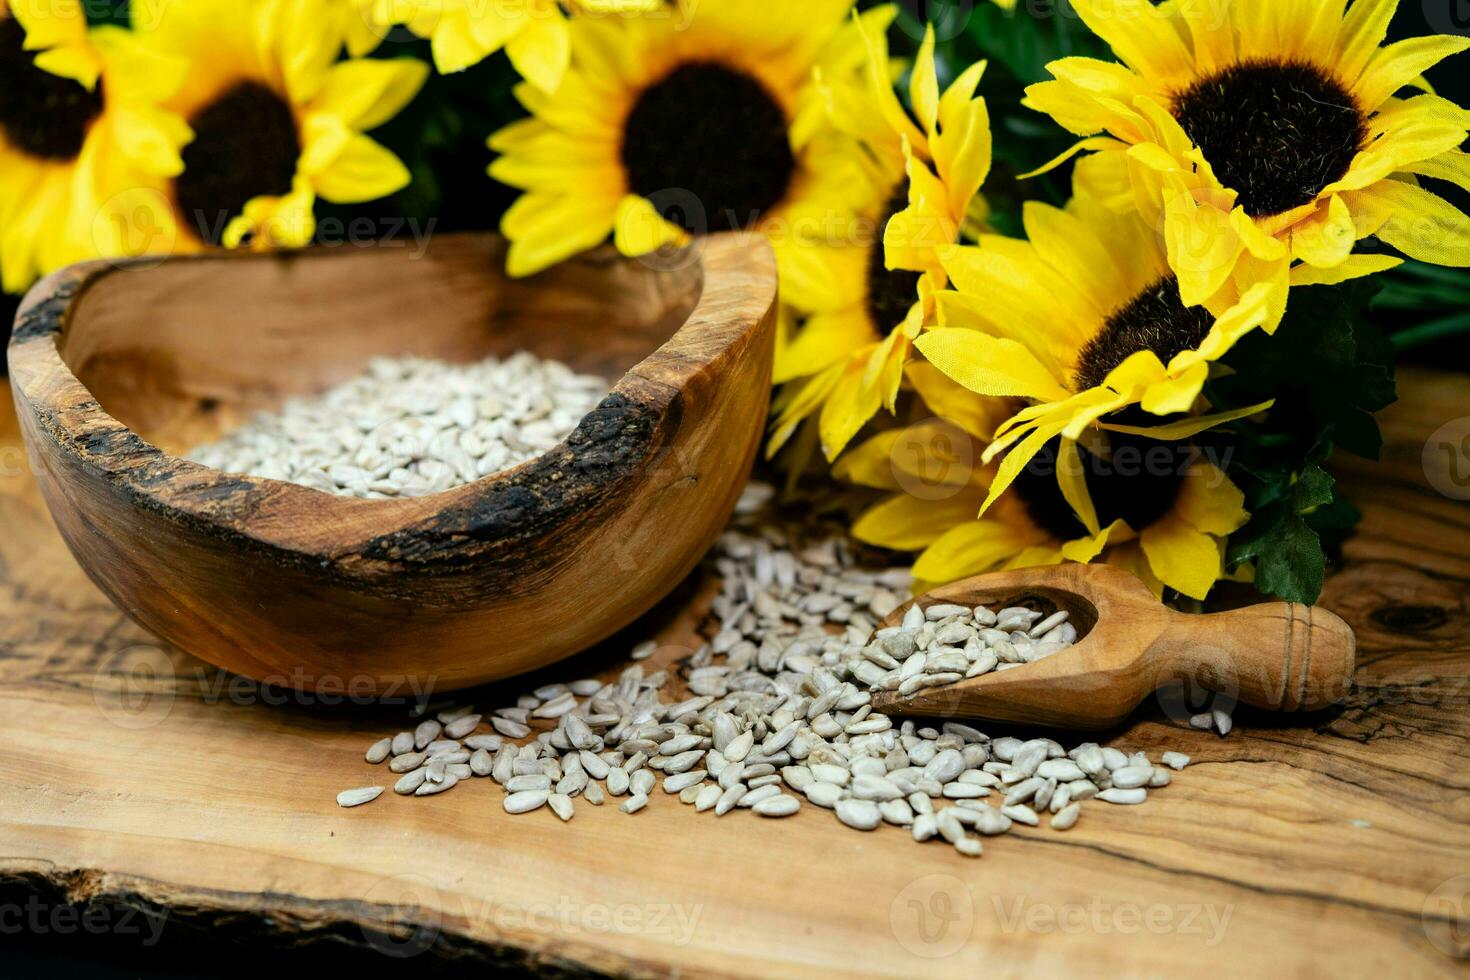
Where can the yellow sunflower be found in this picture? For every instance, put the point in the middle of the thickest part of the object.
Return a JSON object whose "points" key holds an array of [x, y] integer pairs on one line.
{"points": [[868, 301], [1267, 131], [276, 119], [80, 127], [533, 33], [1085, 320], [1161, 510], [660, 130], [363, 31]]}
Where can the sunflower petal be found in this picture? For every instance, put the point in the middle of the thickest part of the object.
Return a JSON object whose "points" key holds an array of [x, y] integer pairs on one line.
{"points": [[1130, 558], [807, 397], [824, 340], [639, 229], [545, 229], [1363, 30], [847, 410], [365, 170], [924, 83], [1139, 35], [1326, 239], [905, 523], [1210, 502], [1202, 243], [1185, 428], [365, 93], [541, 51], [1084, 550], [1452, 166], [1355, 267], [1182, 557], [990, 365], [1423, 225], [1072, 479], [1081, 146], [1021, 454], [979, 416], [1176, 393], [1397, 65], [969, 549], [870, 464], [454, 46]]}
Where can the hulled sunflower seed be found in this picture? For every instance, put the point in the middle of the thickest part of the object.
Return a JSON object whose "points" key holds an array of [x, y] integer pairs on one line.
{"points": [[1066, 817], [410, 782], [859, 814], [510, 729], [357, 797], [525, 801], [561, 805], [434, 789]]}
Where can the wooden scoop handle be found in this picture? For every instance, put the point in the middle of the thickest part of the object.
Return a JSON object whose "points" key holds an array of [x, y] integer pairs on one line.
{"points": [[1280, 656]]}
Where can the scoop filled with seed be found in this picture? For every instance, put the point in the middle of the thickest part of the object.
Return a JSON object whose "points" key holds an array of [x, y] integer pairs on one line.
{"points": [[1080, 646]]}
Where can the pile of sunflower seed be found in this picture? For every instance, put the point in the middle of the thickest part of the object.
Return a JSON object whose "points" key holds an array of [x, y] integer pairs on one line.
{"points": [[781, 712], [410, 426]]}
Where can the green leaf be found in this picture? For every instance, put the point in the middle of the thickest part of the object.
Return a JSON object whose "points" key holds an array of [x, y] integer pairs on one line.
{"points": [[1313, 488], [1290, 563], [1329, 368], [1032, 36]]}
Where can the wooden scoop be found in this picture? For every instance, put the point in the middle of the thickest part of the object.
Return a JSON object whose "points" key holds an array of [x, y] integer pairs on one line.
{"points": [[1280, 656]]}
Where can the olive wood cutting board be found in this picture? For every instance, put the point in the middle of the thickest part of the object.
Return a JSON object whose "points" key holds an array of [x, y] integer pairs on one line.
{"points": [[1328, 844]]}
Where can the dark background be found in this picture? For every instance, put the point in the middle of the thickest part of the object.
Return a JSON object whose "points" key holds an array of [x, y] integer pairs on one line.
{"points": [[443, 136]]}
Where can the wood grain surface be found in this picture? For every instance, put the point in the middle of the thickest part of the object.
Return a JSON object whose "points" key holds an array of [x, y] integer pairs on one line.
{"points": [[1333, 844]]}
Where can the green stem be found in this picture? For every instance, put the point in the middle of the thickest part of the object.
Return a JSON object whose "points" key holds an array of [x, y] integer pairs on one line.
{"points": [[1418, 297], [1428, 333], [1421, 270]]}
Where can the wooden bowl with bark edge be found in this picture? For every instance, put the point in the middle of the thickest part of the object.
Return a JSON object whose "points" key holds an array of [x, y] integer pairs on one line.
{"points": [[117, 367]]}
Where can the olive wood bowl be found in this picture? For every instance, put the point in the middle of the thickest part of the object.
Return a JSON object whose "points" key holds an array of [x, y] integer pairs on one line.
{"points": [[116, 367]]}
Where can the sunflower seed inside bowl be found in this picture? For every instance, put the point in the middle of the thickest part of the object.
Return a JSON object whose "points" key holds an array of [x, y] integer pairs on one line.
{"points": [[778, 711], [409, 426]]}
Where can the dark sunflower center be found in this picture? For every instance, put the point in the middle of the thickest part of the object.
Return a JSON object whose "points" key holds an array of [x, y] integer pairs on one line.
{"points": [[41, 114], [1156, 319], [245, 146], [1138, 481], [715, 134], [890, 291], [1275, 133]]}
